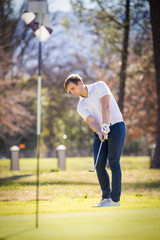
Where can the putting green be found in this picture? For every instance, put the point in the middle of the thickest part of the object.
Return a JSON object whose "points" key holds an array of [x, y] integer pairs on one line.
{"points": [[113, 223]]}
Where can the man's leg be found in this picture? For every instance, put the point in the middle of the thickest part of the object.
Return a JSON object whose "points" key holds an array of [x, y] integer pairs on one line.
{"points": [[116, 140], [102, 174]]}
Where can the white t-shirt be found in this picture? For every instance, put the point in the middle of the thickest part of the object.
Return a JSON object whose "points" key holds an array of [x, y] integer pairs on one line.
{"points": [[91, 104]]}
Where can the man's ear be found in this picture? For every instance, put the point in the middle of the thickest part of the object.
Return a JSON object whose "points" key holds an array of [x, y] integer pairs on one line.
{"points": [[79, 83]]}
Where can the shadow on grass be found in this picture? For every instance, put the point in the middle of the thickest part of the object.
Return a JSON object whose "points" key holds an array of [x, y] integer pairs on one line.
{"points": [[136, 185], [28, 183], [126, 186], [142, 185], [9, 180]]}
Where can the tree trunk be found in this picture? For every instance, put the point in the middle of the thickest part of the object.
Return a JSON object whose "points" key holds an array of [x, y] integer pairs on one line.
{"points": [[124, 56], [155, 22]]}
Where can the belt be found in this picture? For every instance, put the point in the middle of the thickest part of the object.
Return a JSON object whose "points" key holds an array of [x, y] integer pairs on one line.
{"points": [[116, 121]]}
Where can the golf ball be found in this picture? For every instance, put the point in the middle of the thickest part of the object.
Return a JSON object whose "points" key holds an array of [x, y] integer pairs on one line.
{"points": [[64, 136]]}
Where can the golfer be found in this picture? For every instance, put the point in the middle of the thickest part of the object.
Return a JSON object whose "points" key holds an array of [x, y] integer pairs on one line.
{"points": [[99, 109]]}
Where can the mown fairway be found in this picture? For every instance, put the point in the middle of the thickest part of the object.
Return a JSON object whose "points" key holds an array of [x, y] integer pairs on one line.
{"points": [[66, 199]]}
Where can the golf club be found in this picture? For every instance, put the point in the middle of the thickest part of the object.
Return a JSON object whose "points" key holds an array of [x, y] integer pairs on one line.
{"points": [[90, 170]]}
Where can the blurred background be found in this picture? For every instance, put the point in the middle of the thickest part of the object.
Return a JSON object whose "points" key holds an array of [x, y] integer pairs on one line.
{"points": [[101, 40]]}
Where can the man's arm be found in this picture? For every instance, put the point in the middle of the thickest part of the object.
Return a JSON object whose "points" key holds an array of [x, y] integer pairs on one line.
{"points": [[94, 125], [105, 104]]}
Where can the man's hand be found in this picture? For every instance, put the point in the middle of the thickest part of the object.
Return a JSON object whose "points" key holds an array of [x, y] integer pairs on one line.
{"points": [[105, 130], [101, 137]]}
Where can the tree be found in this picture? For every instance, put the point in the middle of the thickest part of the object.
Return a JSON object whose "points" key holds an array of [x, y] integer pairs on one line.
{"points": [[17, 119], [155, 22], [124, 56], [7, 26], [140, 108]]}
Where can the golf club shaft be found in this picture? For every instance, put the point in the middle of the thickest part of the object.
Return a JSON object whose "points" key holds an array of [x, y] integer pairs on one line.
{"points": [[97, 157]]}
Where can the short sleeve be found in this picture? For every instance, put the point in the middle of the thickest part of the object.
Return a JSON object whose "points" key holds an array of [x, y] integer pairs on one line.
{"points": [[102, 89], [84, 113]]}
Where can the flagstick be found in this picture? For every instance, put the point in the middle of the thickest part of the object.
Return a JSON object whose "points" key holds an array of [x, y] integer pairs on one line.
{"points": [[38, 119]]}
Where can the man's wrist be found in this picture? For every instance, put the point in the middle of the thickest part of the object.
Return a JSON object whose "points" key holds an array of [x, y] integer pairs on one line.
{"points": [[99, 132], [104, 124]]}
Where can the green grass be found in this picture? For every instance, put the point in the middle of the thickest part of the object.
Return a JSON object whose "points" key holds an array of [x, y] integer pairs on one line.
{"points": [[109, 224], [66, 198]]}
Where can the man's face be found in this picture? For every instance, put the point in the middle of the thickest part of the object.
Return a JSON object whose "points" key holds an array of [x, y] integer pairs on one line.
{"points": [[76, 90]]}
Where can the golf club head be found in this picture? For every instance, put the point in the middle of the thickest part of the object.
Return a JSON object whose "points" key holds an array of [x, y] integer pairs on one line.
{"points": [[90, 170]]}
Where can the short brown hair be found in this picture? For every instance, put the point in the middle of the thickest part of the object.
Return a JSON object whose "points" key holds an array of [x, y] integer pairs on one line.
{"points": [[74, 78]]}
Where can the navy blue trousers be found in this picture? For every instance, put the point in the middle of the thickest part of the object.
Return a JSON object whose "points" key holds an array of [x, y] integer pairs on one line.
{"points": [[111, 150]]}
